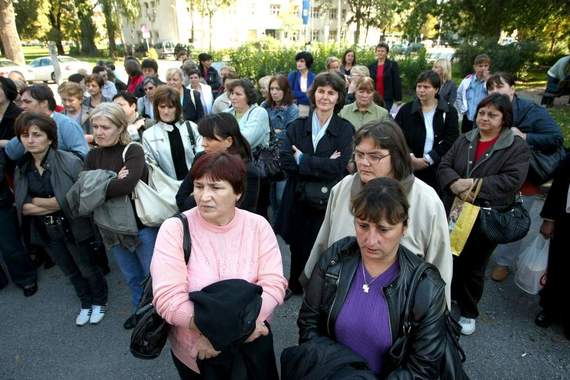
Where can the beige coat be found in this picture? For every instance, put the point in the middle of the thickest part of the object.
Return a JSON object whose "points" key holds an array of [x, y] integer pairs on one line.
{"points": [[427, 235]]}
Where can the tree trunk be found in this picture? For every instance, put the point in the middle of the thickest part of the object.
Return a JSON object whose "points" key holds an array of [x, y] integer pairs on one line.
{"points": [[109, 25], [210, 17], [88, 31], [357, 33], [9, 34]]}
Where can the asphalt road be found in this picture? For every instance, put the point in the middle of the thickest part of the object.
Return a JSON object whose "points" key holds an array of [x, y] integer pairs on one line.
{"points": [[39, 339]]}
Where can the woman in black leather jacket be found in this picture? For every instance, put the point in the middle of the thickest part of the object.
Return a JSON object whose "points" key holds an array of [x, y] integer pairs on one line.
{"points": [[356, 294]]}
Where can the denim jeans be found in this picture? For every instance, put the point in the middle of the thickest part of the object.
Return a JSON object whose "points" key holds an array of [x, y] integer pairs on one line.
{"points": [[78, 264], [15, 256], [135, 266]]}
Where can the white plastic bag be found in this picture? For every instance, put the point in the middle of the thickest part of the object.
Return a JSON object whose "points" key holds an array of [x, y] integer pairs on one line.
{"points": [[531, 266]]}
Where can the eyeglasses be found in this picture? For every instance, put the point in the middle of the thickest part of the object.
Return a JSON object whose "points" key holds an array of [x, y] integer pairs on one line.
{"points": [[372, 158]]}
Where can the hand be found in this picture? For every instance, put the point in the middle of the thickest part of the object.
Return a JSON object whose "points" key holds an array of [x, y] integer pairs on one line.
{"points": [[518, 132], [90, 139], [297, 154], [260, 330], [418, 163], [335, 155], [547, 229], [123, 173], [203, 349], [466, 195], [461, 185]]}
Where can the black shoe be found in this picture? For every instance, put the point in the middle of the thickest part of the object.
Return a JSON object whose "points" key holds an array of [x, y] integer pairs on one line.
{"points": [[131, 322], [543, 319], [30, 290]]}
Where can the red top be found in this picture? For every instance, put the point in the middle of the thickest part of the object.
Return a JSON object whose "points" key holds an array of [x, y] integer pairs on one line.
{"points": [[134, 82], [380, 79], [483, 147]]}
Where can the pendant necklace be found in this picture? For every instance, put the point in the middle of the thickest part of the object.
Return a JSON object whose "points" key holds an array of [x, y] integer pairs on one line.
{"points": [[366, 285]]}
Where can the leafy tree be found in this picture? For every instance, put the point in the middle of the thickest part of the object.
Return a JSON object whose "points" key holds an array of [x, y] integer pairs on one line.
{"points": [[130, 9], [9, 34], [61, 16], [84, 9], [31, 19]]}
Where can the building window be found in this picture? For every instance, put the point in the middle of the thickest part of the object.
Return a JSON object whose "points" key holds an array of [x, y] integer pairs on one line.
{"points": [[315, 35], [332, 35], [315, 12], [296, 10], [271, 33], [294, 35], [275, 9]]}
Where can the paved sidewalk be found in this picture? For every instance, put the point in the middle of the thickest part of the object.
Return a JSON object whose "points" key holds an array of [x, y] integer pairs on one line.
{"points": [[39, 339]]}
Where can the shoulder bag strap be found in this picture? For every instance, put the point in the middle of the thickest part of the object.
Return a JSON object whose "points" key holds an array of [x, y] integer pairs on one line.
{"points": [[191, 135], [187, 241], [127, 148]]}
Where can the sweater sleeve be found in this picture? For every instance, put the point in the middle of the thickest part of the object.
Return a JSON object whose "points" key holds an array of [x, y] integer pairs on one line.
{"points": [[170, 276], [255, 126], [270, 271], [446, 174], [134, 162]]}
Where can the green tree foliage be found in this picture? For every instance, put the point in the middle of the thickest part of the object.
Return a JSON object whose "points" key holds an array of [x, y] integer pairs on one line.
{"points": [[112, 9], [63, 23], [370, 13], [84, 9], [30, 19]]}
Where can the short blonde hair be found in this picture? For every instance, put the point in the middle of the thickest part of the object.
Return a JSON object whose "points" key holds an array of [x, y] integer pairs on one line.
{"points": [[445, 64], [330, 60], [116, 115], [174, 70], [71, 89], [360, 70]]}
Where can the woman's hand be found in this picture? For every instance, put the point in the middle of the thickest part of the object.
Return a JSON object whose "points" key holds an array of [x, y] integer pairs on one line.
{"points": [[461, 185], [335, 155], [123, 173], [260, 330], [203, 349], [547, 229], [418, 163]]}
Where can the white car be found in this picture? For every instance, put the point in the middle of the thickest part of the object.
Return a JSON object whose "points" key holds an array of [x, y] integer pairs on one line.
{"points": [[43, 69], [6, 66]]}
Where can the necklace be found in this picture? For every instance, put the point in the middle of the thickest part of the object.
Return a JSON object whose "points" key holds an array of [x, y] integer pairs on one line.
{"points": [[366, 285]]}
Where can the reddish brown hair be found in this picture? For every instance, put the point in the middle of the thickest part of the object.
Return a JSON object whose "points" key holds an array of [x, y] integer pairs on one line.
{"points": [[283, 84], [221, 167]]}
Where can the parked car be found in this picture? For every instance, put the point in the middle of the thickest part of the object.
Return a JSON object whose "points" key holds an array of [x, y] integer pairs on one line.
{"points": [[43, 69], [440, 53], [6, 66], [165, 49]]}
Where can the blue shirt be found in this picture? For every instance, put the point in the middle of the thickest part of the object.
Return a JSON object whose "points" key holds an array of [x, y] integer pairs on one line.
{"points": [[318, 131], [70, 138], [474, 94]]}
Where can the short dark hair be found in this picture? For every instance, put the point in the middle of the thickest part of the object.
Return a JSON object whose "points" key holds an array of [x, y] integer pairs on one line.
{"points": [[132, 67], [130, 98], [308, 57], [225, 125], [388, 135], [169, 96], [482, 58], [248, 89], [9, 87], [343, 60], [381, 199], [503, 104], [383, 45], [431, 77], [95, 78], [221, 166], [99, 69], [77, 77], [204, 57], [153, 80], [45, 123], [192, 71], [41, 92], [149, 63], [497, 79], [283, 84], [329, 79]]}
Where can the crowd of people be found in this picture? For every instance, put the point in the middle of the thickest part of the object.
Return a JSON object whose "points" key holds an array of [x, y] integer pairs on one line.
{"points": [[365, 188]]}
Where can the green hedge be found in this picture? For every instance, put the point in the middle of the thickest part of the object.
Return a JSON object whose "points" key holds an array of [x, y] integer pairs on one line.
{"points": [[268, 57]]}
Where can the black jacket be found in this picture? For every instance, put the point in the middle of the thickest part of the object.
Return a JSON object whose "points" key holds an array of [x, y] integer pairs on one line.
{"points": [[392, 80], [445, 130], [7, 122], [192, 111], [328, 287], [6, 196], [212, 79]]}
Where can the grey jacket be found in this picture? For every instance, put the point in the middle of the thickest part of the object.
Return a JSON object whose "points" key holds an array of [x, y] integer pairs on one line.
{"points": [[114, 217], [64, 168]]}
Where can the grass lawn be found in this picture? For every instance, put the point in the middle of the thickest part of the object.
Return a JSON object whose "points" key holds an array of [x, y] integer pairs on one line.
{"points": [[562, 115], [33, 52]]}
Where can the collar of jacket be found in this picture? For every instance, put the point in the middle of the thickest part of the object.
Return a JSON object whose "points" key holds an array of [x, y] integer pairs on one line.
{"points": [[356, 186], [417, 106], [332, 129], [506, 138], [168, 127]]}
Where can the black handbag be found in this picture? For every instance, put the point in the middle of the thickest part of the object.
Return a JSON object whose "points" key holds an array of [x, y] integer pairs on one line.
{"points": [[451, 365], [543, 165], [314, 194], [266, 160], [151, 330], [56, 227], [503, 226]]}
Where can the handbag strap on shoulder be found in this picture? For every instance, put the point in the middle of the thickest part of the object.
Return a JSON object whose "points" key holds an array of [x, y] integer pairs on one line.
{"points": [[187, 240], [127, 148]]}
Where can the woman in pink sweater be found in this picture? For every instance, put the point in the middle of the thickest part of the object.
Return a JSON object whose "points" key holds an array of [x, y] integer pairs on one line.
{"points": [[227, 243]]}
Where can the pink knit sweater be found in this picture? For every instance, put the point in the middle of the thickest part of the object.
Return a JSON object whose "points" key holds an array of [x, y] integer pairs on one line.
{"points": [[246, 248]]}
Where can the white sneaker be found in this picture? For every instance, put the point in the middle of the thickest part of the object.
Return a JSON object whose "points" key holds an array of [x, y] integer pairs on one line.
{"points": [[83, 317], [467, 325], [97, 314]]}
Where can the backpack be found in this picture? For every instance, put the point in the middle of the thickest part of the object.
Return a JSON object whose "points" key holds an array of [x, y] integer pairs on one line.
{"points": [[151, 330]]}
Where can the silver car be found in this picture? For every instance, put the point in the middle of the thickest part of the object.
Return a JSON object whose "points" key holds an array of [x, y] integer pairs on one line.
{"points": [[43, 69], [6, 66]]}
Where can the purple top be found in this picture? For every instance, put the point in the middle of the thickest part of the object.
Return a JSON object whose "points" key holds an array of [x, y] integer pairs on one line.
{"points": [[363, 324]]}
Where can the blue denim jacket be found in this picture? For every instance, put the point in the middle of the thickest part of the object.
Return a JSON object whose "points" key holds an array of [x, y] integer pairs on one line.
{"points": [[281, 117]]}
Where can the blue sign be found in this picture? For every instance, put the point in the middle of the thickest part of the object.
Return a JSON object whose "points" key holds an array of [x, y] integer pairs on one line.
{"points": [[305, 13]]}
